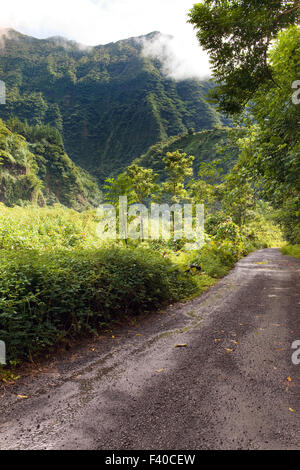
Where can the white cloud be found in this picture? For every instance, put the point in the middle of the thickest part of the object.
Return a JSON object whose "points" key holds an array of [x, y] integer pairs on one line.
{"points": [[95, 22], [181, 57]]}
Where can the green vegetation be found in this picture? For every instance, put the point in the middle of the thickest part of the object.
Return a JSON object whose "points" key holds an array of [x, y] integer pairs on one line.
{"points": [[47, 228], [291, 250], [257, 74], [47, 298], [58, 280], [80, 91], [35, 168], [18, 169], [178, 167], [205, 146], [238, 35]]}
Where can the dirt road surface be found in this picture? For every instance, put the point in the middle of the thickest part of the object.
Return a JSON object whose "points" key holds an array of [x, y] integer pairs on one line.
{"points": [[233, 386]]}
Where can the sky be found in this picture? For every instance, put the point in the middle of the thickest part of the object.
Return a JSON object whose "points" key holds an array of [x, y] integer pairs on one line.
{"points": [[93, 22]]}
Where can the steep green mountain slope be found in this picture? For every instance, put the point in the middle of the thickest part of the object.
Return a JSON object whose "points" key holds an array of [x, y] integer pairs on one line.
{"points": [[206, 146], [18, 169], [111, 103], [34, 167]]}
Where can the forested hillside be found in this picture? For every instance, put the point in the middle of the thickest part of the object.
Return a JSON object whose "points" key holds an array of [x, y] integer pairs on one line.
{"points": [[205, 146], [35, 168], [111, 103]]}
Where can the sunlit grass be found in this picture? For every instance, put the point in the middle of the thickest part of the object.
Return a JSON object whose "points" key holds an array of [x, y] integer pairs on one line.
{"points": [[291, 250]]}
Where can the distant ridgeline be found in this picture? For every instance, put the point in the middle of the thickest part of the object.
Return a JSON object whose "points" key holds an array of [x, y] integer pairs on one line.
{"points": [[35, 168], [110, 103]]}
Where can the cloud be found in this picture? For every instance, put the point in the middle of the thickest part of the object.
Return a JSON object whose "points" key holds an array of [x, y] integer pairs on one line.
{"points": [[181, 59], [94, 22], [5, 33]]}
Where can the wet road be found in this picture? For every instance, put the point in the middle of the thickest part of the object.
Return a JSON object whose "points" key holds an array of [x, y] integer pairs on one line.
{"points": [[233, 386]]}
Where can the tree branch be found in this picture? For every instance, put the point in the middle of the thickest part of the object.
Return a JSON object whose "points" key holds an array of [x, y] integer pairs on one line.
{"points": [[287, 12]]}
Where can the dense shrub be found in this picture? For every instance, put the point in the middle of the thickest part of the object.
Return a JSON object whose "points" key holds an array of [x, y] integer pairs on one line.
{"points": [[228, 231], [217, 258], [291, 250], [213, 221], [47, 297]]}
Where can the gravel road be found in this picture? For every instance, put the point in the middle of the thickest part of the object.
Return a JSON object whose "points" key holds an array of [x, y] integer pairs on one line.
{"points": [[233, 386]]}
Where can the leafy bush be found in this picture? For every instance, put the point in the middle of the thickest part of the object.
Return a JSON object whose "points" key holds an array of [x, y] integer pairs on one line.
{"points": [[260, 231], [291, 250], [228, 231], [48, 297], [217, 258], [213, 221], [289, 219]]}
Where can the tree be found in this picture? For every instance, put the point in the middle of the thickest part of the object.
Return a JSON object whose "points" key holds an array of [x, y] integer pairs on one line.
{"points": [[143, 184], [211, 172], [117, 187], [178, 167], [237, 35], [271, 150], [254, 50], [238, 195], [205, 189]]}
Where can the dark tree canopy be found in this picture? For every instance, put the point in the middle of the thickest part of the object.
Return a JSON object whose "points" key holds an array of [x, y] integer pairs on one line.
{"points": [[237, 35]]}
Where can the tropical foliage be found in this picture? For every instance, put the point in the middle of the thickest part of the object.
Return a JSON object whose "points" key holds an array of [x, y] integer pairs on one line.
{"points": [[254, 49]]}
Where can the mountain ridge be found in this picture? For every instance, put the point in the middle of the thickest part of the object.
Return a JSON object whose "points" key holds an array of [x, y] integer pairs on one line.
{"points": [[11, 31], [110, 103]]}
